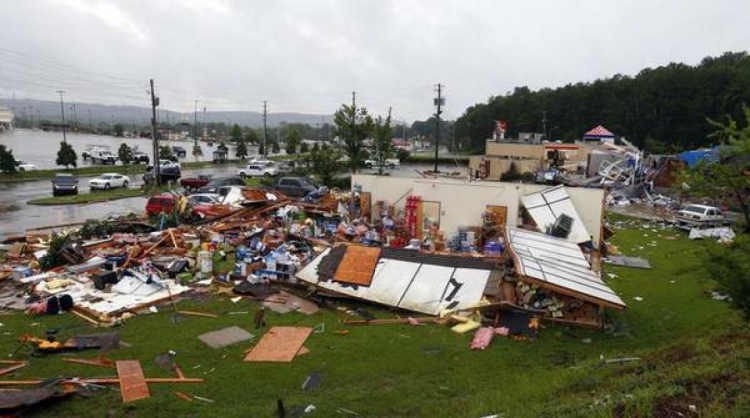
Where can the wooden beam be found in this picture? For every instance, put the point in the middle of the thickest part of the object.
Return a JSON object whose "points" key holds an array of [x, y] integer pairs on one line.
{"points": [[391, 321], [204, 314], [101, 381]]}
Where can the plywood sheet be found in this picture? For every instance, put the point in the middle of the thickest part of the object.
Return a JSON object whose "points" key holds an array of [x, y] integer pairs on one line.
{"points": [[358, 265], [279, 344], [132, 381]]}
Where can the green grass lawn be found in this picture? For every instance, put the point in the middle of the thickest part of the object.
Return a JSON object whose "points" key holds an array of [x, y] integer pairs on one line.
{"points": [[98, 196], [695, 352]]}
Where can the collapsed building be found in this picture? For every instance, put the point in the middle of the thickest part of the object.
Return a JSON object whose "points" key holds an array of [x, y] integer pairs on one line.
{"points": [[486, 246]]}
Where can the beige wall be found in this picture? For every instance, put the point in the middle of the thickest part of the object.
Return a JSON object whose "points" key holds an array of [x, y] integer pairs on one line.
{"points": [[499, 166], [462, 202], [502, 149]]}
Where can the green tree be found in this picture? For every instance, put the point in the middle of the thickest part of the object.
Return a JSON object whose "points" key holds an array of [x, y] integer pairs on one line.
{"points": [[119, 130], [236, 133], [304, 148], [125, 153], [727, 178], [8, 163], [292, 141], [324, 164], [165, 153], [275, 148], [241, 150], [252, 137], [223, 147], [730, 266], [66, 155], [261, 149], [315, 147], [383, 146], [353, 125]]}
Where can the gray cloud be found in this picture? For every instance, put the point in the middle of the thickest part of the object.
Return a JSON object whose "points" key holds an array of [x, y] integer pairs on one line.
{"points": [[309, 55]]}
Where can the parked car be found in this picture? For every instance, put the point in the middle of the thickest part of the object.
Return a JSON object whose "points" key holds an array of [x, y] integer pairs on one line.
{"points": [[160, 203], [214, 185], [140, 157], [64, 183], [258, 170], [179, 151], [169, 163], [204, 199], [166, 174], [195, 183], [389, 163], [22, 166], [699, 216], [90, 149], [296, 186], [261, 161], [103, 156], [107, 181]]}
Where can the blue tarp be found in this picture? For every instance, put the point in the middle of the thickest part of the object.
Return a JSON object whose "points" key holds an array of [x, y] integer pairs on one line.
{"points": [[692, 158]]}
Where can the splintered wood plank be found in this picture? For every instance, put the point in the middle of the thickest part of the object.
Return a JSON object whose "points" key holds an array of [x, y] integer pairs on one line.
{"points": [[132, 381], [279, 344], [358, 265]]}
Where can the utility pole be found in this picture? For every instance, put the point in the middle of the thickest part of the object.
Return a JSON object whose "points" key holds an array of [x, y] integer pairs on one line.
{"points": [[62, 112], [75, 118], [154, 139], [265, 116], [544, 125], [439, 101], [195, 127], [354, 115]]}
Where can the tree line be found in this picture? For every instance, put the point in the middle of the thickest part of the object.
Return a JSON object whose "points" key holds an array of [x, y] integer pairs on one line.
{"points": [[663, 109]]}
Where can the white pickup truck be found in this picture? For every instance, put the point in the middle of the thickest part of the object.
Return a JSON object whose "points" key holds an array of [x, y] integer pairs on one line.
{"points": [[699, 216], [389, 163], [102, 156]]}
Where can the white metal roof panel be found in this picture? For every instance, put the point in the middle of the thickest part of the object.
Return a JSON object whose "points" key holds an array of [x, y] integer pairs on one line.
{"points": [[559, 263], [414, 286], [547, 205]]}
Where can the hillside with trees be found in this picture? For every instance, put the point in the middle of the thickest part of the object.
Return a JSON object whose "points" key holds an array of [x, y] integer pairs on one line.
{"points": [[662, 109]]}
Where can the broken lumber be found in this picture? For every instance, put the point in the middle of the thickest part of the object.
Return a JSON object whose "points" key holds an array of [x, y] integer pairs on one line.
{"points": [[424, 320], [194, 313]]}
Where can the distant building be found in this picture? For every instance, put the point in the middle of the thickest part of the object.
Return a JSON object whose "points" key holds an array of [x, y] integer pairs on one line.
{"points": [[6, 119], [599, 133]]}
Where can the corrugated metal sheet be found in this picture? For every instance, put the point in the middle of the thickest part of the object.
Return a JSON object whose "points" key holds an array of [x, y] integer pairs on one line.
{"points": [[559, 264], [410, 285], [546, 206]]}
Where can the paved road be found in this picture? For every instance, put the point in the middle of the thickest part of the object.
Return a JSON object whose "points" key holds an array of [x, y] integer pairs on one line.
{"points": [[16, 216]]}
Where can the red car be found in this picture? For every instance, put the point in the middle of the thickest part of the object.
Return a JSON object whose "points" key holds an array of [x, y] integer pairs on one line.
{"points": [[160, 203]]}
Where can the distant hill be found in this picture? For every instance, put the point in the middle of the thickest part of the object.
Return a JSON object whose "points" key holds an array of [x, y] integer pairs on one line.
{"points": [[135, 115]]}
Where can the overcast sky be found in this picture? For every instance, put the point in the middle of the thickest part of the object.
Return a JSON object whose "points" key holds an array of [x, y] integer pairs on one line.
{"points": [[309, 56]]}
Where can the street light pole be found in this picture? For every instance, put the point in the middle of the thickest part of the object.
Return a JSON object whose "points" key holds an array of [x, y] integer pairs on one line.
{"points": [[62, 112]]}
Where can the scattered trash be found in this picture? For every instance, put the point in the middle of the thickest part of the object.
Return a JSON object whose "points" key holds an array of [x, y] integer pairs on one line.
{"points": [[312, 381]]}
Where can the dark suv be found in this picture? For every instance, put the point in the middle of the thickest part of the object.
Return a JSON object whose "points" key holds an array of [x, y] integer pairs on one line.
{"points": [[214, 185], [63, 184], [166, 174], [295, 186]]}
